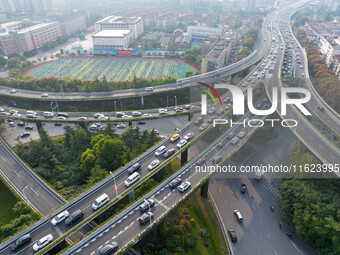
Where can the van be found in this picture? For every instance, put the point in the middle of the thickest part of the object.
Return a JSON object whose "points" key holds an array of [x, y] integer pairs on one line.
{"points": [[48, 114], [31, 112], [100, 201], [119, 114], [132, 179], [149, 89], [73, 217], [63, 114], [238, 215], [20, 242], [160, 151]]}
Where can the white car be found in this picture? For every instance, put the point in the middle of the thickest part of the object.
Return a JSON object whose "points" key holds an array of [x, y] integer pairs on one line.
{"points": [[12, 91], [97, 115], [44, 95], [241, 134], [42, 242], [147, 115], [17, 115], [60, 217], [189, 136], [153, 164], [184, 186], [234, 140], [103, 118], [181, 144], [162, 111], [2, 109], [228, 106], [62, 118]]}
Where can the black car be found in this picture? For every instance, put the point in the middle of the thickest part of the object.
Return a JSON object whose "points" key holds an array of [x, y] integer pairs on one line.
{"points": [[21, 124], [141, 123], [232, 235], [73, 217], [58, 124], [169, 153], [20, 242], [109, 249], [29, 127], [243, 188], [175, 182], [200, 162], [149, 203], [135, 167]]}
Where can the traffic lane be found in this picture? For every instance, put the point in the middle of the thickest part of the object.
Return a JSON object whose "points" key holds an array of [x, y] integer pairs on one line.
{"points": [[26, 183]]}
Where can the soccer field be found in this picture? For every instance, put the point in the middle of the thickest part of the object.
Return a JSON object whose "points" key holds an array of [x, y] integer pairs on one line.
{"points": [[113, 69]]}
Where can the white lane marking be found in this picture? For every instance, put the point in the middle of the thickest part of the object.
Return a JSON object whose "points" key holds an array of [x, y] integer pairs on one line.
{"points": [[60, 233], [226, 203], [34, 191], [107, 230], [85, 207], [92, 253], [86, 245], [107, 242], [16, 173], [114, 237], [100, 247], [3, 158], [124, 217], [268, 235], [100, 235], [220, 190], [160, 203], [275, 252]]}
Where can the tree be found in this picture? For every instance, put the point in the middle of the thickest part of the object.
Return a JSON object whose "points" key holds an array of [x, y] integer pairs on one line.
{"points": [[3, 61], [188, 74], [14, 63], [58, 55], [61, 51], [172, 46], [88, 160]]}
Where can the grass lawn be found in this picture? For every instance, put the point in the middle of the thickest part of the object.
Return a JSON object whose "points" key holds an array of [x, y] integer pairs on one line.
{"points": [[204, 214], [7, 202]]}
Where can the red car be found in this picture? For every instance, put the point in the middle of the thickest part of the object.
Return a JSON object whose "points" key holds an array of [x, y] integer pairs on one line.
{"points": [[82, 118], [178, 109]]}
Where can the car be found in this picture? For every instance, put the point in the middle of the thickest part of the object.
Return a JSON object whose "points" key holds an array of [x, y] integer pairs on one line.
{"points": [[211, 119], [187, 107], [93, 127], [63, 114], [228, 106], [2, 109], [100, 201], [74, 217], [20, 242], [162, 111], [109, 249], [147, 115], [100, 118], [243, 188], [175, 182], [232, 235], [44, 95], [21, 124], [189, 136], [200, 162], [11, 124], [42, 242], [13, 111], [29, 127], [141, 122], [97, 115], [25, 134], [153, 165], [60, 217], [82, 118], [174, 138], [31, 115], [238, 215], [220, 145], [134, 168], [62, 118], [234, 140], [5, 113], [146, 217], [136, 114], [178, 109], [58, 124], [212, 110], [301, 67], [160, 151], [169, 153], [48, 114], [121, 125], [320, 108], [184, 186], [149, 89], [241, 134], [217, 159], [146, 205], [181, 144], [203, 127], [12, 91], [17, 115], [230, 135], [198, 120]]}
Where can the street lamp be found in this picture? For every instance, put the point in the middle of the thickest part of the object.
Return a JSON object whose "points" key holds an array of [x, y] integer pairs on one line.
{"points": [[175, 101], [121, 105], [61, 87], [114, 180], [116, 107], [19, 87]]}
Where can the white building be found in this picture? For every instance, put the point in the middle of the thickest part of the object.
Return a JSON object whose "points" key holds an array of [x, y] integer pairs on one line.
{"points": [[112, 39], [328, 48], [196, 33], [135, 24]]}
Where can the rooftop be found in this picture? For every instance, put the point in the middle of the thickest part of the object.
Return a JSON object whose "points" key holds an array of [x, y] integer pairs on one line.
{"points": [[118, 33], [119, 20]]}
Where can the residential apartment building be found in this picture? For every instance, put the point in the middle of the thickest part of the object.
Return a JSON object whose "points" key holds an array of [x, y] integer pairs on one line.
{"points": [[71, 23], [135, 24], [17, 37], [196, 32], [328, 48], [37, 6]]}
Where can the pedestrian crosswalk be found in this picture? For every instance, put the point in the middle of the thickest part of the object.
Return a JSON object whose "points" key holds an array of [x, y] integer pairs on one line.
{"points": [[272, 189]]}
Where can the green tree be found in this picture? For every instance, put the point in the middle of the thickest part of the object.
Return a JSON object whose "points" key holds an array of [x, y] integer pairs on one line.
{"points": [[88, 161]]}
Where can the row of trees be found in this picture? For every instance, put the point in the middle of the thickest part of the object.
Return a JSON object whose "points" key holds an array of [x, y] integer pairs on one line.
{"points": [[325, 82], [80, 159], [312, 206], [194, 55], [248, 43], [77, 85]]}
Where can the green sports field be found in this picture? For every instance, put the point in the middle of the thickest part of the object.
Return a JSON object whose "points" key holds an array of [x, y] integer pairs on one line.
{"points": [[113, 69]]}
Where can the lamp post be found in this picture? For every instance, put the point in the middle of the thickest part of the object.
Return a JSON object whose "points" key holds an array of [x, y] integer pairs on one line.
{"points": [[62, 91], [114, 180], [116, 107], [175, 100], [19, 87]]}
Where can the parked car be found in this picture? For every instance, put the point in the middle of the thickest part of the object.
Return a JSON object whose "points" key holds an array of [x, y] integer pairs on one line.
{"points": [[25, 134], [29, 127], [149, 203], [77, 215], [60, 217], [153, 164], [21, 124], [20, 242], [109, 249], [42, 242], [184, 186]]}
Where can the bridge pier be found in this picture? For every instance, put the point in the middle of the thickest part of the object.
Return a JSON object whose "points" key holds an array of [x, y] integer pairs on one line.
{"points": [[204, 188], [184, 157]]}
